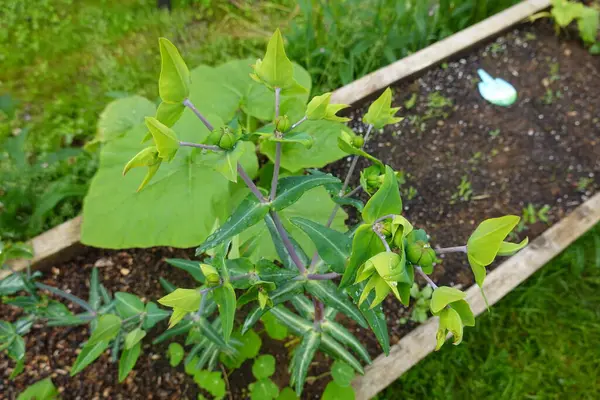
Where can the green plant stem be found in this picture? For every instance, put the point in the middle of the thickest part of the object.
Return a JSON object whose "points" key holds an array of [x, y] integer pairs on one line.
{"points": [[426, 277], [277, 166], [191, 106], [353, 191], [323, 277], [74, 299], [126, 320], [239, 277], [201, 146], [295, 124], [382, 238], [287, 243], [319, 312], [253, 188], [455, 249]]}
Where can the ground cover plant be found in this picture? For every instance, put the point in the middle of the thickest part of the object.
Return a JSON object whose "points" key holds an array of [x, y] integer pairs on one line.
{"points": [[333, 270]]}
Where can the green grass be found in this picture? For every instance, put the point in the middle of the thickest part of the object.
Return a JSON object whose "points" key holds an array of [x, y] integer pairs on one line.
{"points": [[541, 342]]}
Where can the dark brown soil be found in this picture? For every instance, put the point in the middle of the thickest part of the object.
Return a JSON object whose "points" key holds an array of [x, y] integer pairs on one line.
{"points": [[536, 151]]}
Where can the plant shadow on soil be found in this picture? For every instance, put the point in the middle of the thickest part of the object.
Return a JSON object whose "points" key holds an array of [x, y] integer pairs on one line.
{"points": [[539, 155]]}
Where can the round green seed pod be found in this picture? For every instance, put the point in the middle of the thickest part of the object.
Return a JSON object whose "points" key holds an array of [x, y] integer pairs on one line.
{"points": [[214, 137], [228, 140], [282, 123], [358, 142]]}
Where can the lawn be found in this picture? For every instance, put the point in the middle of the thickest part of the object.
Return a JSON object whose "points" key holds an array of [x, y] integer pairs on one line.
{"points": [[541, 342]]}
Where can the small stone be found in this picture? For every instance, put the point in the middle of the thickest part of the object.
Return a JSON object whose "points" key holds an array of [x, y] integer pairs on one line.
{"points": [[567, 52], [125, 271], [104, 262], [55, 271]]}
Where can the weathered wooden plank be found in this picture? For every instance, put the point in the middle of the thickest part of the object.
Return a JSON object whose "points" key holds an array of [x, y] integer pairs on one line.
{"points": [[437, 52], [50, 245], [421, 341]]}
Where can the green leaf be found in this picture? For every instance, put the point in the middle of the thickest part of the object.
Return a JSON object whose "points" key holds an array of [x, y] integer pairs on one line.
{"points": [[287, 394], [337, 351], [41, 390], [263, 389], [444, 295], [128, 359], [16, 348], [508, 249], [341, 334], [11, 284], [275, 329], [365, 244], [334, 391], [302, 359], [275, 70], [296, 324], [333, 246], [227, 161], [295, 156], [174, 81], [385, 201], [485, 242], [106, 330], [595, 49], [164, 137], [342, 373], [380, 112], [88, 354], [175, 354], [116, 216], [211, 382], [134, 337], [449, 322], [210, 331], [128, 304], [169, 113], [249, 348], [294, 137], [264, 366], [588, 23], [154, 314], [225, 298], [374, 316], [120, 116], [315, 205], [189, 266], [317, 107], [247, 214], [564, 12], [464, 310], [330, 295], [180, 329], [344, 142], [291, 188], [185, 299], [281, 249]]}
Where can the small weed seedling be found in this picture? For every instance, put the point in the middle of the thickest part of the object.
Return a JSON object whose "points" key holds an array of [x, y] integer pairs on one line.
{"points": [[550, 96], [464, 191], [532, 215], [420, 311], [495, 133], [584, 183]]}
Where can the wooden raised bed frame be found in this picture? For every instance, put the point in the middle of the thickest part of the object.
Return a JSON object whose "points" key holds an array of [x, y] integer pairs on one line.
{"points": [[63, 241]]}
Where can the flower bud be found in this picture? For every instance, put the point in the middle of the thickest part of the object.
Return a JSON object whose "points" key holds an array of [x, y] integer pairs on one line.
{"points": [[282, 123], [358, 141], [420, 253], [228, 139]]}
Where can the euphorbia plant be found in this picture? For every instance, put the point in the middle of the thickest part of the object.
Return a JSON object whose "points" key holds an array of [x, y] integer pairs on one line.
{"points": [[351, 272]]}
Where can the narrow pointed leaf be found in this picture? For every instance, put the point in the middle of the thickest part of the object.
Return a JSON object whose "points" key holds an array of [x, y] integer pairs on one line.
{"points": [[180, 329], [335, 349], [374, 316], [134, 337], [248, 213], [342, 335], [282, 251], [128, 304], [88, 354], [291, 188], [189, 266], [303, 357], [333, 246], [106, 330], [224, 296], [508, 249], [298, 325], [128, 359], [331, 296], [385, 201], [94, 296], [294, 137]]}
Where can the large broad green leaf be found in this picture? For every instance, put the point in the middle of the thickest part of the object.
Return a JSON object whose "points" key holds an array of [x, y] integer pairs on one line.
{"points": [[295, 156], [302, 359], [264, 366], [177, 208], [333, 246], [225, 298], [385, 201], [128, 359], [120, 116], [315, 205]]}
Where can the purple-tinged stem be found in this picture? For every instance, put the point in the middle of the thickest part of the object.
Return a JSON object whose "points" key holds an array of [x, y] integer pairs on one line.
{"points": [[323, 277], [253, 188], [391, 216], [201, 146], [287, 243], [383, 240], [426, 277], [455, 249], [295, 124], [191, 106], [278, 146]]}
